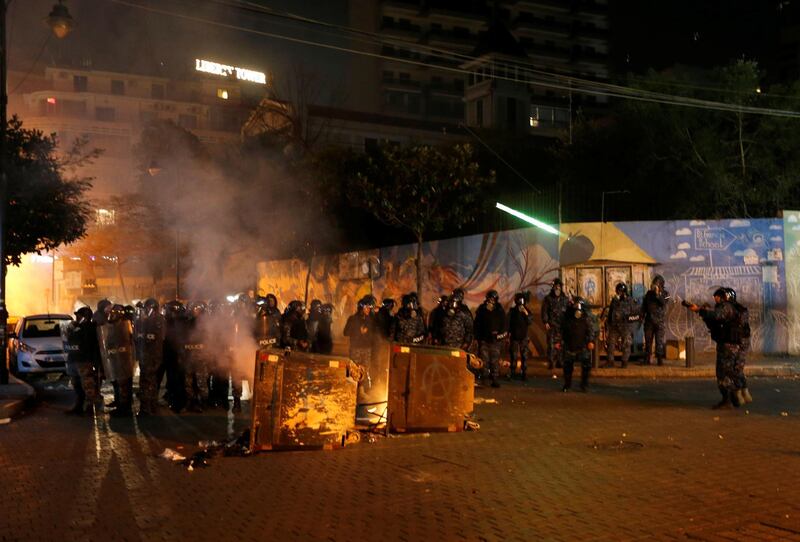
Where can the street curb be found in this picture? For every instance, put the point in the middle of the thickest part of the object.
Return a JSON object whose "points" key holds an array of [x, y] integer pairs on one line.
{"points": [[15, 403], [672, 372]]}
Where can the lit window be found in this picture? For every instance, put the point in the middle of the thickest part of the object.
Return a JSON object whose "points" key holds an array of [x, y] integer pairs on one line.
{"points": [[222, 93], [51, 101], [534, 122], [105, 217]]}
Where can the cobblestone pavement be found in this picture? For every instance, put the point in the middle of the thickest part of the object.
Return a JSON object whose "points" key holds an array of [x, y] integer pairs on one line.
{"points": [[632, 460]]}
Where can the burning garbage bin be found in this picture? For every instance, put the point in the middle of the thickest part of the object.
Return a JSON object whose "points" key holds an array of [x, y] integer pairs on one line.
{"points": [[430, 388], [303, 400]]}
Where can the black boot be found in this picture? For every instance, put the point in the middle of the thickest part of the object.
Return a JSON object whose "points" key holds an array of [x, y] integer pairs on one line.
{"points": [[660, 362], [567, 382], [584, 380], [495, 383], [725, 402]]}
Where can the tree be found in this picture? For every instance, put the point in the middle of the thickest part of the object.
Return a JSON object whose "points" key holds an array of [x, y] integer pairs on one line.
{"points": [[419, 188], [694, 162], [47, 204]]}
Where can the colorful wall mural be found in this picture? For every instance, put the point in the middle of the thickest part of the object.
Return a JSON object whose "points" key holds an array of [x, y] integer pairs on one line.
{"points": [[695, 257]]}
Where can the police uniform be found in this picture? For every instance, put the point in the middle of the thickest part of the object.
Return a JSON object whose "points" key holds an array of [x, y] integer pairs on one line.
{"points": [[577, 332], [654, 314], [553, 308], [519, 321], [622, 317], [490, 330]]}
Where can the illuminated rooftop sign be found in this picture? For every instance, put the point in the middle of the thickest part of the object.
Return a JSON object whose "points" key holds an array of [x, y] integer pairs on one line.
{"points": [[242, 74]]}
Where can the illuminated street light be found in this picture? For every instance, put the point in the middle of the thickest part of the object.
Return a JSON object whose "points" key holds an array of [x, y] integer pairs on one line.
{"points": [[60, 21], [529, 219]]}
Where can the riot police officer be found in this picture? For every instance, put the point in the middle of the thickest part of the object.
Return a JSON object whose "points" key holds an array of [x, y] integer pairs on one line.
{"points": [[384, 318], [324, 344], [150, 346], [435, 320], [623, 314], [456, 325], [577, 341], [408, 326], [519, 321], [654, 314], [175, 329], [83, 355], [294, 333], [728, 323], [268, 323], [312, 322], [554, 307], [490, 330], [360, 329], [116, 335], [194, 358]]}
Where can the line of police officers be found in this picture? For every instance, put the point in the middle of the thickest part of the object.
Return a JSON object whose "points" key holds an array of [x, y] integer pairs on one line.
{"points": [[195, 345]]}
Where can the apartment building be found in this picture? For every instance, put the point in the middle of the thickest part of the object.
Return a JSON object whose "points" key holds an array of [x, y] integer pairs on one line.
{"points": [[111, 108], [428, 77]]}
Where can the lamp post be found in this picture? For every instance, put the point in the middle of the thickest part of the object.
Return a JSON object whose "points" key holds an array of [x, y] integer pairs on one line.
{"points": [[61, 23], [155, 169]]}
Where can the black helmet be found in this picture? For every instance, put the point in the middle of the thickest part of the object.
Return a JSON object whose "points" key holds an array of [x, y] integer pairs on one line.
{"points": [[730, 294], [388, 303], [621, 288], [492, 296], [117, 313], [557, 282], [102, 304], [409, 302], [84, 312], [173, 309], [130, 312], [658, 280], [327, 309], [316, 305], [271, 298], [458, 294], [295, 306], [151, 303], [366, 301], [721, 292], [197, 307], [520, 298]]}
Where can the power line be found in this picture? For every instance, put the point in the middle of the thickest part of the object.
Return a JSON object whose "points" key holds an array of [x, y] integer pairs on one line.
{"points": [[577, 85]]}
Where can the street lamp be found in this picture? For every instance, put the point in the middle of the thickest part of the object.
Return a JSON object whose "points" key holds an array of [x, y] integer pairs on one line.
{"points": [[154, 169], [61, 23]]}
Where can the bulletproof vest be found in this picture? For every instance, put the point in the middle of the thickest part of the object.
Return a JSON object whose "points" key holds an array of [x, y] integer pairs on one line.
{"points": [[738, 329], [75, 344]]}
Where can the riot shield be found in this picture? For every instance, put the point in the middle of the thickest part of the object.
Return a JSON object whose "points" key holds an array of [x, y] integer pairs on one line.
{"points": [[116, 349]]}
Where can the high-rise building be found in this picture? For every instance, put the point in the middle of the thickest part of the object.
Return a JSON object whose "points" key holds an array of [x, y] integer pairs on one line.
{"points": [[424, 72]]}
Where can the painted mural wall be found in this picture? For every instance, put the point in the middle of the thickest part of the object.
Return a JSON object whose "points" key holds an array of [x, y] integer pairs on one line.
{"points": [[695, 257]]}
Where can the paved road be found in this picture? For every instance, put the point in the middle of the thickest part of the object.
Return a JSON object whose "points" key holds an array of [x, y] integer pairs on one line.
{"points": [[632, 460]]}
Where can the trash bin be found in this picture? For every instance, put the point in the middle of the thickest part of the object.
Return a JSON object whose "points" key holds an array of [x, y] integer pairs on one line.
{"points": [[430, 389], [303, 400]]}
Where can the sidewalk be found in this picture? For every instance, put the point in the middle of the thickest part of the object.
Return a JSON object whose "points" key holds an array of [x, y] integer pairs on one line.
{"points": [[14, 397], [703, 367]]}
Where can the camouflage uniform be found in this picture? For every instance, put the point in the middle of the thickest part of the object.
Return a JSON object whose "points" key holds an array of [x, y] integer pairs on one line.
{"points": [[518, 324], [622, 313], [457, 329], [490, 330], [654, 313], [732, 345], [577, 333], [83, 356], [553, 309], [150, 345], [194, 359], [360, 343], [408, 327]]}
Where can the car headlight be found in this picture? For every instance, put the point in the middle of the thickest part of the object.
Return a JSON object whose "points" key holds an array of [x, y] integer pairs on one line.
{"points": [[26, 348]]}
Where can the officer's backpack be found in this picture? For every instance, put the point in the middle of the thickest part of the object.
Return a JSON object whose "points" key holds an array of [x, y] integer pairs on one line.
{"points": [[739, 328]]}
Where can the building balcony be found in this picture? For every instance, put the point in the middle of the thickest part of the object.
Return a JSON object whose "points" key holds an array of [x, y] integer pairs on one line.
{"points": [[402, 6], [405, 31], [548, 51], [527, 22], [404, 84], [558, 5]]}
